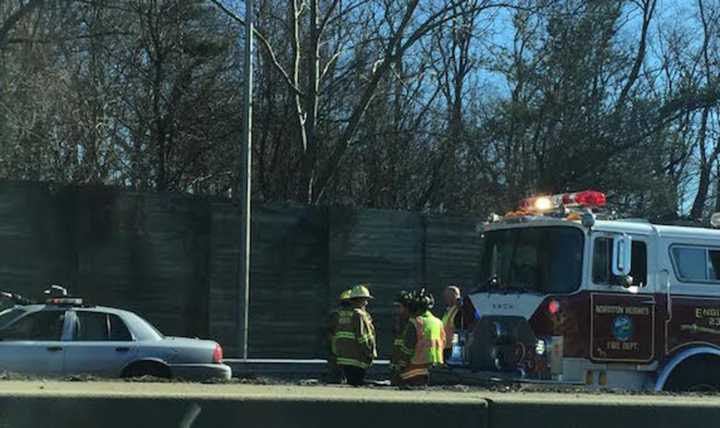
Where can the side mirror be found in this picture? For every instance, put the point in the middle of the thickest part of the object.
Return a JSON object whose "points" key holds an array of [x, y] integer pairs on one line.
{"points": [[622, 255], [626, 281]]}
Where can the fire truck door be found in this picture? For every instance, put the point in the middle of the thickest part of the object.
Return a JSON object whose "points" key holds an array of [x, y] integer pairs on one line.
{"points": [[622, 320]]}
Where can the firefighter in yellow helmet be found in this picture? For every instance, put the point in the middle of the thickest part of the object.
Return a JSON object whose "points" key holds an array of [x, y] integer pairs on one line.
{"points": [[355, 337], [335, 373], [423, 341]]}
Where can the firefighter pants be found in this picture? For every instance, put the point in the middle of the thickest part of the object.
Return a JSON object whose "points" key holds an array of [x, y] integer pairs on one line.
{"points": [[335, 373], [355, 375]]}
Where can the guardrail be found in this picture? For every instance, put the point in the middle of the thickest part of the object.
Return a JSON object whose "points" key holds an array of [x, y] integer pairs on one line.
{"points": [[285, 368], [119, 404]]}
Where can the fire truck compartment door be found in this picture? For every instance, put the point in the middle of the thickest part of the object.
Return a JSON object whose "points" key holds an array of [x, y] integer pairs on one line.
{"points": [[622, 327]]}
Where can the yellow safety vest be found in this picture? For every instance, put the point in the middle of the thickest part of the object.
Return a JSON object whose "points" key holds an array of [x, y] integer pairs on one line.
{"points": [[428, 346], [449, 324]]}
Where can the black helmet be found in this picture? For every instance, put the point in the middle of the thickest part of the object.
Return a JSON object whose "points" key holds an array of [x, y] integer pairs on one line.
{"points": [[422, 300], [404, 298]]}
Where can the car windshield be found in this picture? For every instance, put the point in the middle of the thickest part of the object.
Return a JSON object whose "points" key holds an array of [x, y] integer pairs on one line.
{"points": [[545, 260]]}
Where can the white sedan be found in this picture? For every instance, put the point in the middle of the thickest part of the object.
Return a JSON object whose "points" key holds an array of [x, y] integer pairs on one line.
{"points": [[66, 337]]}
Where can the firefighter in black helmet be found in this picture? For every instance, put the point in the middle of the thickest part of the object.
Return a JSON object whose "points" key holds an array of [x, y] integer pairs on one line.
{"points": [[399, 356], [421, 342]]}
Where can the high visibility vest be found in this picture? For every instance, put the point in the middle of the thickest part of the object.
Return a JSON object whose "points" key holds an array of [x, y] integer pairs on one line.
{"points": [[428, 346], [354, 340], [449, 324]]}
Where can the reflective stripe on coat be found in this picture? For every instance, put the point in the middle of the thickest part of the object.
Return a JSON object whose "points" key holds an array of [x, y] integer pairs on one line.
{"points": [[429, 345], [354, 340]]}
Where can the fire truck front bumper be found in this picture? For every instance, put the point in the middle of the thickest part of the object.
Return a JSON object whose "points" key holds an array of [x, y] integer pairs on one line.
{"points": [[445, 375]]}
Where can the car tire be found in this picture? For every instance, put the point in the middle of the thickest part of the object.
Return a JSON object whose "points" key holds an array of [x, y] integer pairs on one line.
{"points": [[147, 368], [697, 374]]}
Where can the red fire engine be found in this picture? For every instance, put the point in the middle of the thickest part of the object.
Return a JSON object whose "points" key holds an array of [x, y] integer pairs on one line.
{"points": [[569, 296]]}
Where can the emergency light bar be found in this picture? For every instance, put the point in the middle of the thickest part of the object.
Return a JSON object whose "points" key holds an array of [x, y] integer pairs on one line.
{"points": [[72, 301], [584, 199]]}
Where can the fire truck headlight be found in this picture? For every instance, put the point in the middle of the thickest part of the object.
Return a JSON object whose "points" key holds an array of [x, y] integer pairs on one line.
{"points": [[540, 347]]}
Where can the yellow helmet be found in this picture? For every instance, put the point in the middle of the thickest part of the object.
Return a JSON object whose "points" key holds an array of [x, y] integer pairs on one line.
{"points": [[345, 295], [360, 291]]}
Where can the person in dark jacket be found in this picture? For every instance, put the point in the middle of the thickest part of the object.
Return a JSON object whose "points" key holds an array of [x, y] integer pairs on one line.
{"points": [[335, 373]]}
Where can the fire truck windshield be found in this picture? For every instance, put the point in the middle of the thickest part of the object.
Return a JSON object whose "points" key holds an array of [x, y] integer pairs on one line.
{"points": [[545, 260]]}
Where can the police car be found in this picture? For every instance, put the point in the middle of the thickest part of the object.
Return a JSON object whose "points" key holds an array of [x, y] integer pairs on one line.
{"points": [[65, 336]]}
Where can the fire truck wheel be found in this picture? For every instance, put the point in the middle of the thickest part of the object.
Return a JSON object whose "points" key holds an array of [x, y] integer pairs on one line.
{"points": [[696, 374]]}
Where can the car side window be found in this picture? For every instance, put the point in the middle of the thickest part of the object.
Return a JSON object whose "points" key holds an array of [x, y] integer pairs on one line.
{"points": [[91, 326], [118, 330], [714, 265], [602, 263], [44, 325], [696, 263], [98, 326], [691, 263]]}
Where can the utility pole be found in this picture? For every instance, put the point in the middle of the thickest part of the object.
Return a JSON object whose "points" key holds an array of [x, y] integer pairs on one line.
{"points": [[245, 174]]}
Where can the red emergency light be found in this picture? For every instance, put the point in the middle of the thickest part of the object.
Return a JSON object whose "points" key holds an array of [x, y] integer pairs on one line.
{"points": [[587, 198], [584, 199]]}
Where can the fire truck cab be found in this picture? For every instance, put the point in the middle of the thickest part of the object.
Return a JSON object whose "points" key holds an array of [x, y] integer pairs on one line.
{"points": [[568, 297]]}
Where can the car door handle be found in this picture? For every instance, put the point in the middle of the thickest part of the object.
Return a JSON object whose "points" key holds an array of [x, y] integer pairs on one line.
{"points": [[54, 348], [122, 349]]}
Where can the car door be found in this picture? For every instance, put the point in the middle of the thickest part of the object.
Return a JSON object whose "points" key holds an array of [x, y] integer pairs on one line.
{"points": [[34, 343], [100, 345]]}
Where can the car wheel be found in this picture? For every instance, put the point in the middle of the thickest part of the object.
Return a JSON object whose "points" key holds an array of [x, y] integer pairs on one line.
{"points": [[147, 368]]}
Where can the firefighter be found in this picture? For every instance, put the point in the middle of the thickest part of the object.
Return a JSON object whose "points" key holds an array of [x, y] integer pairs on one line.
{"points": [[355, 337], [402, 318], [335, 373], [423, 341], [452, 319]]}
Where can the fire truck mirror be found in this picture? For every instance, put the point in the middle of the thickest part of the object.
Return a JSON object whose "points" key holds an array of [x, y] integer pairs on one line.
{"points": [[626, 281], [622, 253], [715, 220]]}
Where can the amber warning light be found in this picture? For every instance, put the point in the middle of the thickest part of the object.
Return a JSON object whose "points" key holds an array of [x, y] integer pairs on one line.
{"points": [[584, 199]]}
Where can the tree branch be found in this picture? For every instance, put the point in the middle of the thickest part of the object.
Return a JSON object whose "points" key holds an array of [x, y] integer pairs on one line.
{"points": [[265, 44], [648, 10], [18, 15]]}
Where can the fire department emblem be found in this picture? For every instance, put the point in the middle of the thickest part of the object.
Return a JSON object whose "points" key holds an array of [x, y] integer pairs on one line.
{"points": [[622, 328]]}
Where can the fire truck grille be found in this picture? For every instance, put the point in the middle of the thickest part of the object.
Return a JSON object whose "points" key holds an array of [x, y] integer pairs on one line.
{"points": [[500, 343]]}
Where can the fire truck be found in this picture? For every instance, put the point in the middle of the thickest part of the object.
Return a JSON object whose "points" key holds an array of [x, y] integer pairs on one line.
{"points": [[568, 295]]}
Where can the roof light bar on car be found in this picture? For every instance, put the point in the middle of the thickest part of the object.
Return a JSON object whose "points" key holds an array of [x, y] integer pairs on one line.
{"points": [[65, 301]]}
